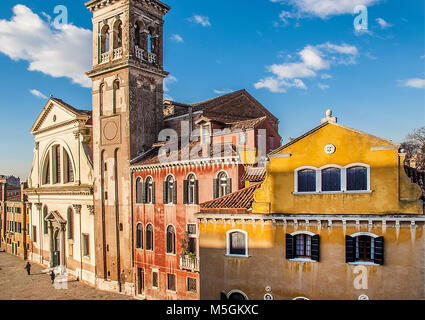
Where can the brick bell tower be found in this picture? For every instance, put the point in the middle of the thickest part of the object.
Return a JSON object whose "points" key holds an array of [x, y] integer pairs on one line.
{"points": [[127, 91]]}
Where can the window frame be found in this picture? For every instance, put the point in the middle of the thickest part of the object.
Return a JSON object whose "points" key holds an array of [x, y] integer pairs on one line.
{"points": [[371, 259], [343, 178], [228, 244], [152, 249], [174, 241], [149, 190], [139, 237]]}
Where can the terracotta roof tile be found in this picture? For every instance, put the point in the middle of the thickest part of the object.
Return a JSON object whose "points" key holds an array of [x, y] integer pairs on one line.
{"points": [[254, 174], [241, 199]]}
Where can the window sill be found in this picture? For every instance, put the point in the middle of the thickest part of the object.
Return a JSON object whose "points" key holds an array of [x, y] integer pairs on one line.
{"points": [[170, 254], [302, 260], [364, 263], [333, 192], [237, 256]]}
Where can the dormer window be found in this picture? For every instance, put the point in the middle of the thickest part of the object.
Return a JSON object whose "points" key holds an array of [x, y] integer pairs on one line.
{"points": [[206, 133]]}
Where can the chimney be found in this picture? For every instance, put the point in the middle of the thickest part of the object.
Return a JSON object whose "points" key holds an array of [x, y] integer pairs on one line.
{"points": [[329, 117], [3, 187]]}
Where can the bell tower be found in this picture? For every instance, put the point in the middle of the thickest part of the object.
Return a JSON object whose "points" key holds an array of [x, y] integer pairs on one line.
{"points": [[127, 77]]}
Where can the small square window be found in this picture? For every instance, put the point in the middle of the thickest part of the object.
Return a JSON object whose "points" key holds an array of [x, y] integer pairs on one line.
{"points": [[191, 285]]}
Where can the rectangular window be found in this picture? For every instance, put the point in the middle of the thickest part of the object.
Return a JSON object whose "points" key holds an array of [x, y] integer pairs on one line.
{"points": [[86, 245], [243, 138], [191, 229], [155, 280], [206, 134], [191, 285], [303, 246], [171, 282], [307, 180]]}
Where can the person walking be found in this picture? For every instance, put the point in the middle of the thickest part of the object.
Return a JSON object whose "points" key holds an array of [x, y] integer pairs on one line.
{"points": [[52, 276], [28, 268]]}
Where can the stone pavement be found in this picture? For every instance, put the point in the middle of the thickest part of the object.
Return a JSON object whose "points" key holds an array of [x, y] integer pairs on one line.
{"points": [[15, 284]]}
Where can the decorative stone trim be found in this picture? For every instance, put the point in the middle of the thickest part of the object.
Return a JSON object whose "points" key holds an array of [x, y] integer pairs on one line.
{"points": [[77, 208], [91, 209]]}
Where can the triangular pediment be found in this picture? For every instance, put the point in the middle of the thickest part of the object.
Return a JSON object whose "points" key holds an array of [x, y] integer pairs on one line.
{"points": [[55, 216], [56, 113]]}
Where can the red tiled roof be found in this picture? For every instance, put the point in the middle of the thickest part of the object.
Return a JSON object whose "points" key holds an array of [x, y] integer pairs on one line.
{"points": [[254, 174], [241, 199]]}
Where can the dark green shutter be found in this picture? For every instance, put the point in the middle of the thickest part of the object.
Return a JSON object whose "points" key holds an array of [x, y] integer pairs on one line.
{"points": [[165, 193], [289, 247], [185, 191], [315, 248], [175, 192], [142, 193], [379, 251], [215, 188], [196, 200], [349, 249]]}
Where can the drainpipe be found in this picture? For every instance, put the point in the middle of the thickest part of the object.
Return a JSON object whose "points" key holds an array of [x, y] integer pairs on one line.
{"points": [[81, 250]]}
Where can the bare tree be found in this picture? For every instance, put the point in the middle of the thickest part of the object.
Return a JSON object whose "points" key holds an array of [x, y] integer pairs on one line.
{"points": [[414, 145]]}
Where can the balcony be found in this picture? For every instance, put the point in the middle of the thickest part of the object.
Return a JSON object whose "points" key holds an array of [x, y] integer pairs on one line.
{"points": [[139, 53], [152, 58], [117, 53], [104, 57], [189, 263]]}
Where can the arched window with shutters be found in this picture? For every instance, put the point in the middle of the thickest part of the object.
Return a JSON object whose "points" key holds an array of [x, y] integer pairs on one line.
{"points": [[305, 180], [331, 179], [150, 191], [222, 185], [45, 223], [358, 178], [191, 190], [364, 247], [139, 236], [46, 170], [70, 218], [237, 243], [171, 240], [56, 164], [68, 168], [149, 237], [139, 190], [170, 190], [303, 245]]}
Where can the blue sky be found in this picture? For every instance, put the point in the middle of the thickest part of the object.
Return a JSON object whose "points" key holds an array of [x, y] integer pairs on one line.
{"points": [[297, 57]]}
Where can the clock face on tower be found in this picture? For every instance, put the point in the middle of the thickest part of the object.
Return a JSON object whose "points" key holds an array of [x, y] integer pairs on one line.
{"points": [[111, 130]]}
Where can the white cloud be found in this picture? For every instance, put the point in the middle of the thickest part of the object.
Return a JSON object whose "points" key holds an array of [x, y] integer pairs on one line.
{"points": [[284, 16], [383, 24], [323, 86], [169, 80], [417, 83], [177, 38], [326, 8], [423, 57], [48, 50], [312, 59], [223, 91], [202, 20], [38, 94]]}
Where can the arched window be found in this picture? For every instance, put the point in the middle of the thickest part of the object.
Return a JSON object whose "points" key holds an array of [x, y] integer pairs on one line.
{"points": [[104, 40], [222, 185], [115, 96], [56, 164], [307, 180], [237, 295], [191, 190], [118, 35], [171, 240], [237, 243], [46, 170], [139, 236], [45, 223], [331, 179], [139, 190], [137, 35], [170, 190], [357, 179], [149, 237], [364, 247], [150, 190], [70, 216], [101, 93], [150, 47], [68, 168]]}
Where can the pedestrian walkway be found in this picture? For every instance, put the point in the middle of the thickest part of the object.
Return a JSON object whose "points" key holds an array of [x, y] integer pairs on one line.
{"points": [[15, 284]]}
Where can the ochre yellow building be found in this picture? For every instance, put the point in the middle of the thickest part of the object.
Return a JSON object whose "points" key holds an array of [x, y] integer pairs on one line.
{"points": [[337, 217]]}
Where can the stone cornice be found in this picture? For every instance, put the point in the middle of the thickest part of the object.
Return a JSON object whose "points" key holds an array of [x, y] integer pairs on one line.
{"points": [[61, 190]]}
